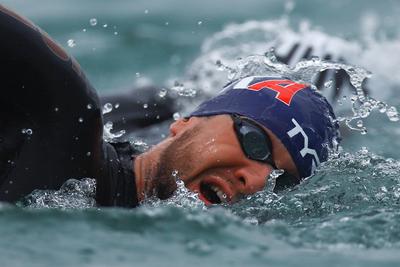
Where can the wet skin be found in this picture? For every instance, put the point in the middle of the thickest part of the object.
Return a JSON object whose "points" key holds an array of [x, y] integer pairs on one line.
{"points": [[209, 159]]}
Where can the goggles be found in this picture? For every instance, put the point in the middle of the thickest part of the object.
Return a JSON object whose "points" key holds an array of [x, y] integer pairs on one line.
{"points": [[257, 145]]}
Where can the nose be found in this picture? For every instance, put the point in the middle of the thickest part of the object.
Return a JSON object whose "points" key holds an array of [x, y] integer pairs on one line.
{"points": [[252, 177]]}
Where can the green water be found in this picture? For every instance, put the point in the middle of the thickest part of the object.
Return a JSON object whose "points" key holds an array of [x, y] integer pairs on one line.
{"points": [[346, 215]]}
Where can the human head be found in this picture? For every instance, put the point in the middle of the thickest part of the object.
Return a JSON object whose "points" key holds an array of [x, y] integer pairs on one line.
{"points": [[300, 117], [204, 151]]}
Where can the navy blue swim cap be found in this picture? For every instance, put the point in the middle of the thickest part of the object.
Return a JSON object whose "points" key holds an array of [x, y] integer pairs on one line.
{"points": [[299, 116]]}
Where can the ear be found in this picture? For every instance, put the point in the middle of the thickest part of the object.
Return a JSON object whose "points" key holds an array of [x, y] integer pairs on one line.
{"points": [[181, 125]]}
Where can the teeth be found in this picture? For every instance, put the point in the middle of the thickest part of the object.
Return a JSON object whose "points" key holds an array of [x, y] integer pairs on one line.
{"points": [[220, 194]]}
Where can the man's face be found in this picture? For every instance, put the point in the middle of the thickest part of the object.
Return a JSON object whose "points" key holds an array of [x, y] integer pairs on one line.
{"points": [[207, 156]]}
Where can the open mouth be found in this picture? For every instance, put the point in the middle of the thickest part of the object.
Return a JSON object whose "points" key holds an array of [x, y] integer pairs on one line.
{"points": [[212, 193]]}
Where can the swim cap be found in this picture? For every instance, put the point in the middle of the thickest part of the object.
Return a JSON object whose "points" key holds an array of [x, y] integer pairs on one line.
{"points": [[299, 116]]}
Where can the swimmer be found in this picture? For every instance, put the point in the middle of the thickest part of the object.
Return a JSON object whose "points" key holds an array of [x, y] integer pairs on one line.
{"points": [[51, 130]]}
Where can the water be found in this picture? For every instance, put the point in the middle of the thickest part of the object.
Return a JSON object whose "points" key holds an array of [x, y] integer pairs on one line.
{"points": [[346, 215]]}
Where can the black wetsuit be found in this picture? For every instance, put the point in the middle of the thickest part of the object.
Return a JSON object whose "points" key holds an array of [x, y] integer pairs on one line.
{"points": [[51, 122]]}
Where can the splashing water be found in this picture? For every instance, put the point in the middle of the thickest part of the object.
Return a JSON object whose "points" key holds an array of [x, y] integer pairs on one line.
{"points": [[182, 198], [73, 194], [108, 136], [304, 71]]}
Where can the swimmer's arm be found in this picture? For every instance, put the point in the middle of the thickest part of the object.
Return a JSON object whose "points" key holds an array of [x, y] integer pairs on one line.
{"points": [[339, 80], [138, 108]]}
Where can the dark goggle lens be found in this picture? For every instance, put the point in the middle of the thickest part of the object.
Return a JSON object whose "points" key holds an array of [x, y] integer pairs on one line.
{"points": [[254, 141], [255, 146]]}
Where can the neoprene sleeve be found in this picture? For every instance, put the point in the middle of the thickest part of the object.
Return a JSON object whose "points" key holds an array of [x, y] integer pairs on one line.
{"points": [[51, 122]]}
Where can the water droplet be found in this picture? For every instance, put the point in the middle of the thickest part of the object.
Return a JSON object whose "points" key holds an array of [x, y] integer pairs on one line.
{"points": [[176, 116], [166, 23], [146, 11], [174, 173], [328, 84], [115, 33], [80, 119], [270, 55], [27, 131], [89, 106], [145, 105], [56, 109], [162, 93], [137, 74], [107, 108], [199, 22], [183, 91], [105, 25], [93, 21], [364, 150], [71, 43], [364, 110], [116, 105], [364, 131], [84, 30], [88, 154], [157, 117], [382, 107], [220, 66], [360, 123], [392, 114], [344, 97]]}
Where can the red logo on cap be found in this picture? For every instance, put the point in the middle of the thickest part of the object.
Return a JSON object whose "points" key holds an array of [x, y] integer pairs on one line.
{"points": [[285, 89]]}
